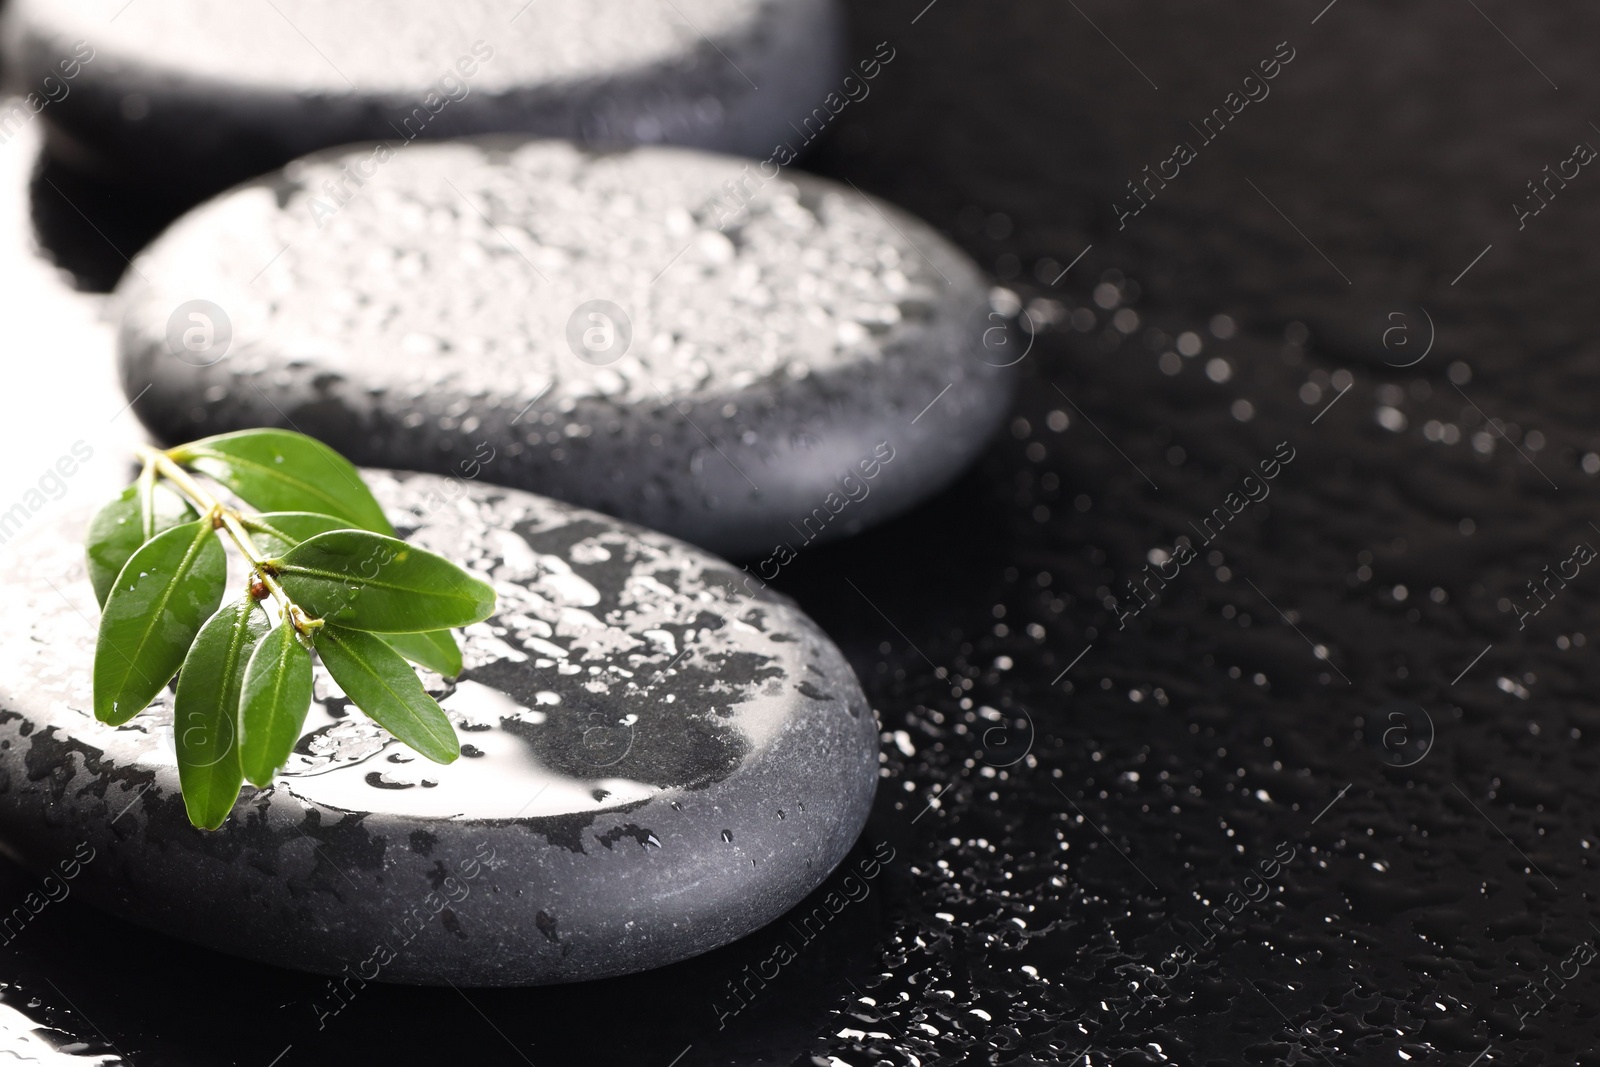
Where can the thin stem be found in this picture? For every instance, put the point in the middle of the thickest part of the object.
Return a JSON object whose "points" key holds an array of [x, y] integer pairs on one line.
{"points": [[163, 463], [223, 517], [147, 500]]}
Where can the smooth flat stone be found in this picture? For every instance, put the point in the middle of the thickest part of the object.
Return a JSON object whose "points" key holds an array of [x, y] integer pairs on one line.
{"points": [[609, 325], [655, 762], [208, 94]]}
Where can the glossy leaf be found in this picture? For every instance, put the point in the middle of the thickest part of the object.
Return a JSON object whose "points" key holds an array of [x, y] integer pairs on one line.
{"points": [[385, 687], [278, 470], [276, 532], [144, 509], [366, 581], [434, 649], [205, 712], [165, 592], [273, 704]]}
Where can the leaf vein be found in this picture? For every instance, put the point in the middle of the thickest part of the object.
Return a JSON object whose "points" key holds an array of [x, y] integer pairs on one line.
{"points": [[156, 616]]}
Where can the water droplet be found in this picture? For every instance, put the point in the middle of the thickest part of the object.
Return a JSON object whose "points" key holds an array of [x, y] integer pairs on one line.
{"points": [[727, 835]]}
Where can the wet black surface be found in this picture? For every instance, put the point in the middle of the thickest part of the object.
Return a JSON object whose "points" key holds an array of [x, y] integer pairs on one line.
{"points": [[1371, 857]]}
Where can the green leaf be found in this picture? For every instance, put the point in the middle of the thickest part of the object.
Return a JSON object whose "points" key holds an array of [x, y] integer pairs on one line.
{"points": [[273, 704], [276, 532], [385, 687], [205, 713], [434, 649], [276, 470], [144, 509], [366, 581], [165, 592]]}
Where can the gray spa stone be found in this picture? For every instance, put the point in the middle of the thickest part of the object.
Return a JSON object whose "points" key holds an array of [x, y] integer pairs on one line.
{"points": [[655, 762], [661, 334], [205, 94]]}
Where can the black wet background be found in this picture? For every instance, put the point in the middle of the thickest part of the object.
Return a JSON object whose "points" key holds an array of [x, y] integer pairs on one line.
{"points": [[1068, 799]]}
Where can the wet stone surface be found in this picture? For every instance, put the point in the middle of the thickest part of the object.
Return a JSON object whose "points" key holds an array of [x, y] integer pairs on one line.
{"points": [[751, 367], [654, 763], [201, 96]]}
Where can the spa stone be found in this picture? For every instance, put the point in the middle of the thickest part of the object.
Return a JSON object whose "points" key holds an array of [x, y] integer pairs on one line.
{"points": [[200, 95], [742, 356], [656, 760]]}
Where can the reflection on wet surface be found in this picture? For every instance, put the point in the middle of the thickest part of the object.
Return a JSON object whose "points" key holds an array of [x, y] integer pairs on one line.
{"points": [[500, 777], [25, 1040]]}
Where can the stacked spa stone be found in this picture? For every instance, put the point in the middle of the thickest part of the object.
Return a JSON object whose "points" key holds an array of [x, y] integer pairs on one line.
{"points": [[661, 754], [203, 95], [669, 336]]}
